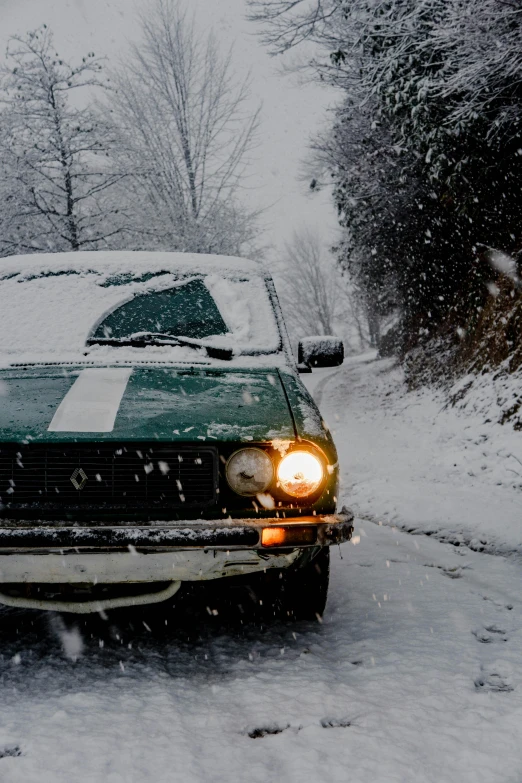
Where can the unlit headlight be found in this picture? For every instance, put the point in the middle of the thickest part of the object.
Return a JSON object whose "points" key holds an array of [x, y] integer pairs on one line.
{"points": [[300, 474], [250, 471]]}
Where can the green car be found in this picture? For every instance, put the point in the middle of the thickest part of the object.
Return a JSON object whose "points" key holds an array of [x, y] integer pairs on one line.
{"points": [[154, 430]]}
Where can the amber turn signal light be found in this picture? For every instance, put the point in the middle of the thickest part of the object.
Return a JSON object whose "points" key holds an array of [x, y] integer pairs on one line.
{"points": [[295, 535]]}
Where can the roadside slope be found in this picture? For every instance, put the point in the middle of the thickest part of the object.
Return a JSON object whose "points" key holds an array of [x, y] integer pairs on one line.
{"points": [[410, 461]]}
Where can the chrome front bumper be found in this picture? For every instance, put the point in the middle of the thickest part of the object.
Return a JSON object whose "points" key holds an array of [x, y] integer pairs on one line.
{"points": [[173, 553], [124, 567], [227, 534]]}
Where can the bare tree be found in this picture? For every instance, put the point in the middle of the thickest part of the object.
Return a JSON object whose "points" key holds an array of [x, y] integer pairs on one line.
{"points": [[316, 298], [54, 171], [289, 23], [186, 135]]}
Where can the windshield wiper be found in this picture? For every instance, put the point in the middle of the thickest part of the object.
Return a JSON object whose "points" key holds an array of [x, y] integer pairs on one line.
{"points": [[142, 339]]}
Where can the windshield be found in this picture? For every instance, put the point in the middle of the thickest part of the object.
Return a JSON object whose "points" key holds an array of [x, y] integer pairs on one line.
{"points": [[66, 314], [187, 309]]}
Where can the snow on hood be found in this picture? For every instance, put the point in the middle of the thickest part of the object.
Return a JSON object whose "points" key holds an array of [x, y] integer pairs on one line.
{"points": [[49, 303], [51, 404]]}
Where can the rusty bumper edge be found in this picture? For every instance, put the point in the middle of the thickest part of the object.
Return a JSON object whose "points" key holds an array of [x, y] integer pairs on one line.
{"points": [[211, 534], [336, 528]]}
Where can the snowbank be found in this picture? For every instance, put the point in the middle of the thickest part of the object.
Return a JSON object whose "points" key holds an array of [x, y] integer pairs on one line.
{"points": [[412, 461], [493, 396]]}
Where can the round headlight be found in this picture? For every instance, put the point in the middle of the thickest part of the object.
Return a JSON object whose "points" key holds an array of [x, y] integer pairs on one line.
{"points": [[250, 471], [300, 474]]}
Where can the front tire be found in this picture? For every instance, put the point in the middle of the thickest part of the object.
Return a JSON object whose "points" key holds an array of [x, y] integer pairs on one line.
{"points": [[297, 593]]}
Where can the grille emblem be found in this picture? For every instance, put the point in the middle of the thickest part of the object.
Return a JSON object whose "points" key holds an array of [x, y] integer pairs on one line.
{"points": [[79, 478]]}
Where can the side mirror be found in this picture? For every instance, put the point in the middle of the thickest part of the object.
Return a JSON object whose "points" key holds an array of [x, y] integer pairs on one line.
{"points": [[302, 367], [320, 351]]}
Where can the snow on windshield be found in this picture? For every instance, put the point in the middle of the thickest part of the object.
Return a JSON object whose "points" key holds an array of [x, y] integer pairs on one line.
{"points": [[48, 312]]}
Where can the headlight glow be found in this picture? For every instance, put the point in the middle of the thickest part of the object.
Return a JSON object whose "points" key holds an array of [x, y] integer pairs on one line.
{"points": [[300, 474], [250, 471]]}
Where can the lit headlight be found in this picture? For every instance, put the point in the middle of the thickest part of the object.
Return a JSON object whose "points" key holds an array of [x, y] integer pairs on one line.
{"points": [[300, 474], [250, 471]]}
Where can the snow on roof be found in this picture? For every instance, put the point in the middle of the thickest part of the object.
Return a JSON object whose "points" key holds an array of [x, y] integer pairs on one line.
{"points": [[51, 303], [124, 261]]}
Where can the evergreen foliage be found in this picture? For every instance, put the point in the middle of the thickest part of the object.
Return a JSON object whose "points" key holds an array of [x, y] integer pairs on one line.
{"points": [[425, 148]]}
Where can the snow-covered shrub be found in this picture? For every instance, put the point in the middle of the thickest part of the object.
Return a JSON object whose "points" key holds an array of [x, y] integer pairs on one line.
{"points": [[425, 147]]}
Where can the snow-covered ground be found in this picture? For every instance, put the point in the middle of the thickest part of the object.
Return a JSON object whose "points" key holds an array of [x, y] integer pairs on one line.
{"points": [[410, 460], [414, 675]]}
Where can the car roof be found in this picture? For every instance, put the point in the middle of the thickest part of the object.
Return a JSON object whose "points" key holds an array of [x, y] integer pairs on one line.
{"points": [[115, 261]]}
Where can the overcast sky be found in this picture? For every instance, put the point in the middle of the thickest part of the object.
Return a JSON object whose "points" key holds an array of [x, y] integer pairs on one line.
{"points": [[290, 114]]}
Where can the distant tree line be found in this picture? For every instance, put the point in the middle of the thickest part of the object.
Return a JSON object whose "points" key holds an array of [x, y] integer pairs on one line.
{"points": [[425, 148], [317, 298], [147, 154]]}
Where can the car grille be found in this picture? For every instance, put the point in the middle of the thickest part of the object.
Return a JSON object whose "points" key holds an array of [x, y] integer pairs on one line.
{"points": [[107, 476]]}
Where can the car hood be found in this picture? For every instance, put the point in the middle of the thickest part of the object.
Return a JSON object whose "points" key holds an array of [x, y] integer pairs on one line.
{"points": [[59, 403]]}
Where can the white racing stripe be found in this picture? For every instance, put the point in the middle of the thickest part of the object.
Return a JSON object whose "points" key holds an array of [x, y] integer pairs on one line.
{"points": [[92, 402]]}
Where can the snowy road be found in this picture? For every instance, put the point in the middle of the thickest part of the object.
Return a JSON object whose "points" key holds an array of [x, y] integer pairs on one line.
{"points": [[414, 675]]}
